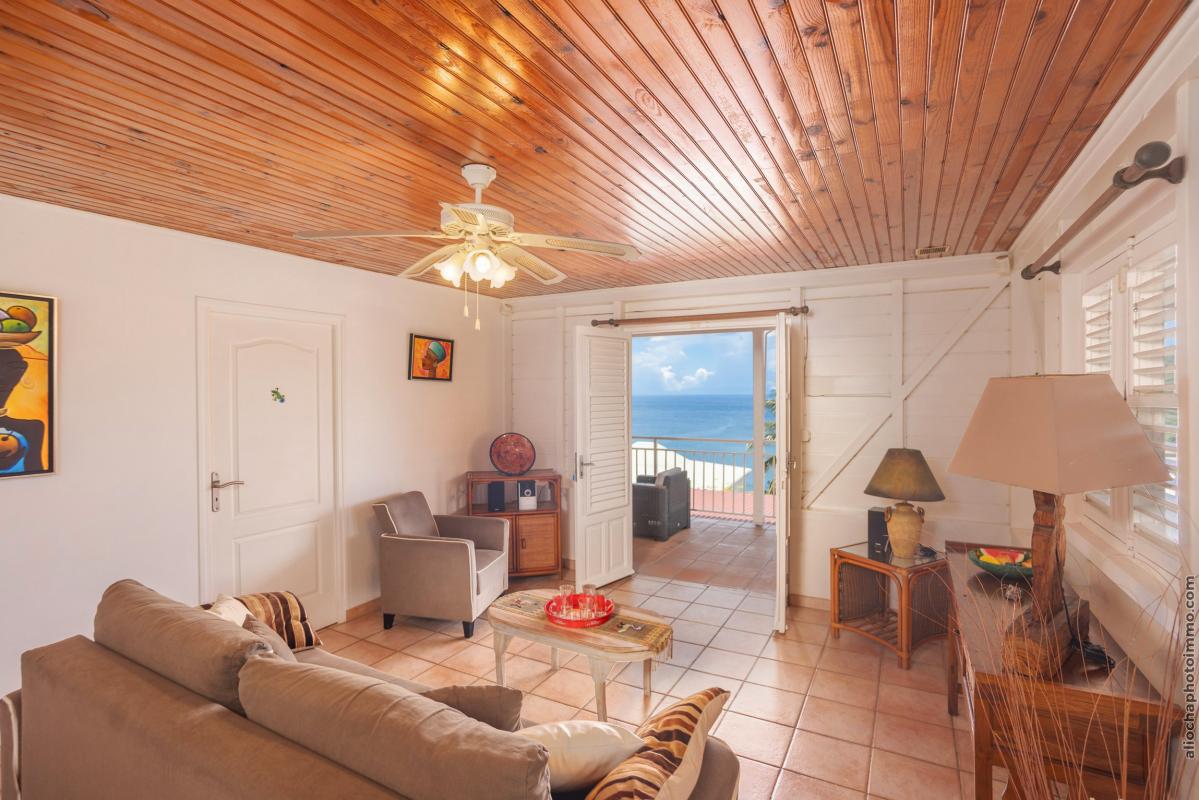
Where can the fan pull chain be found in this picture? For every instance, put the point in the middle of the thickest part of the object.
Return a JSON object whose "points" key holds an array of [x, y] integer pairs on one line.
{"points": [[478, 326], [465, 296]]}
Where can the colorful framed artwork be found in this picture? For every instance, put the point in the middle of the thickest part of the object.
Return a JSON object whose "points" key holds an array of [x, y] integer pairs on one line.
{"points": [[430, 358], [27, 344]]}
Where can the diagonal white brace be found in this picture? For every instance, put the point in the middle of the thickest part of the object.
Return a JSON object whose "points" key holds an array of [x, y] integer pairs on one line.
{"points": [[874, 423]]}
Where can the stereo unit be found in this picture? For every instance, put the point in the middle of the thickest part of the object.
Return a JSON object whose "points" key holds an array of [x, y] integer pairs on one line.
{"points": [[526, 495]]}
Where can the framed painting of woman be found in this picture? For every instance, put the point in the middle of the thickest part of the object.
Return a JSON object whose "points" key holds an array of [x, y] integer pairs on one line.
{"points": [[430, 358]]}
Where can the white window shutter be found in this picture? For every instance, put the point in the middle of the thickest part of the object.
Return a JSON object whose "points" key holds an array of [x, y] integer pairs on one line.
{"points": [[1098, 352], [1153, 383]]}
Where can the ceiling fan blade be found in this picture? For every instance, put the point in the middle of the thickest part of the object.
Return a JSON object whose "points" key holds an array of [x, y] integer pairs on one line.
{"points": [[569, 243], [470, 219], [425, 264], [385, 234], [539, 269]]}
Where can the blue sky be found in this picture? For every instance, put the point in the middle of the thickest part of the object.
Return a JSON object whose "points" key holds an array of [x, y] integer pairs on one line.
{"points": [[708, 363]]}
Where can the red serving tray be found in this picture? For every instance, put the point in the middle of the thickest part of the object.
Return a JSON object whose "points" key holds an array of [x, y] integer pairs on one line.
{"points": [[554, 607]]}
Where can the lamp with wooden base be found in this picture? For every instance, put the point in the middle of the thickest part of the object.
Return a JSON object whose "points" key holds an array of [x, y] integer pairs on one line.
{"points": [[1057, 435]]}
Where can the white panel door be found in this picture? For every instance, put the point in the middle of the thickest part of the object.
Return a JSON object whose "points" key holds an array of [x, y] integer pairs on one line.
{"points": [[782, 463], [269, 398], [603, 498]]}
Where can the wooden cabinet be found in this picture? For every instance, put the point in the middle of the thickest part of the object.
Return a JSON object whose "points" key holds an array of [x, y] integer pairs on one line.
{"points": [[535, 536], [536, 541]]}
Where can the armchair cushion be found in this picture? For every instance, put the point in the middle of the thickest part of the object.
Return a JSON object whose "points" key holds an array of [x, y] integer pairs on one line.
{"points": [[405, 514], [667, 475], [491, 567]]}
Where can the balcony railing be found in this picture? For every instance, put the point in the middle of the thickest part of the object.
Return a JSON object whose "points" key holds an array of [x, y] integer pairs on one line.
{"points": [[721, 471]]}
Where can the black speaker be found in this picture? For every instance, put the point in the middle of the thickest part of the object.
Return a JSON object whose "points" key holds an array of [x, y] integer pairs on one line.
{"points": [[877, 543], [495, 496]]}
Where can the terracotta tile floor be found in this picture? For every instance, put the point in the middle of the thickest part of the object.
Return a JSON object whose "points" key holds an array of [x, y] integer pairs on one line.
{"points": [[713, 552], [810, 716]]}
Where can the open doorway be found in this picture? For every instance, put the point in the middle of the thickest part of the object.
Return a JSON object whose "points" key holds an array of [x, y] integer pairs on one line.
{"points": [[703, 457], [728, 550]]}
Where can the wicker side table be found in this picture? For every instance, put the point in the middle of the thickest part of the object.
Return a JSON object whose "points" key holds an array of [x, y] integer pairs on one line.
{"points": [[861, 598]]}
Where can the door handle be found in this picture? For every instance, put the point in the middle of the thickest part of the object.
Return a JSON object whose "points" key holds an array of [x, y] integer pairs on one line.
{"points": [[214, 487]]}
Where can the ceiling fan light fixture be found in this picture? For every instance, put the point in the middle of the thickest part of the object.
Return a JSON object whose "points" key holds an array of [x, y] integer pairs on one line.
{"points": [[502, 274], [482, 261], [451, 268]]}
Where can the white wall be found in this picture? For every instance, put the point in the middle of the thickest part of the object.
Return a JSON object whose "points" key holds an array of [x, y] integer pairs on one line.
{"points": [[869, 331], [123, 502]]}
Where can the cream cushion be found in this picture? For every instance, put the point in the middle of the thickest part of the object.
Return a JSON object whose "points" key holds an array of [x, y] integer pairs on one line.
{"points": [[582, 751], [230, 608]]}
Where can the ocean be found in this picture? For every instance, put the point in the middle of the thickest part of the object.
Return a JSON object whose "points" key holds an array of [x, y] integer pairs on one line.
{"points": [[707, 416]]}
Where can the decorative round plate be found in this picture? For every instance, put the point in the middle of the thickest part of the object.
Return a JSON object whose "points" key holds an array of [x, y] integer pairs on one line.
{"points": [[1003, 562], [513, 453]]}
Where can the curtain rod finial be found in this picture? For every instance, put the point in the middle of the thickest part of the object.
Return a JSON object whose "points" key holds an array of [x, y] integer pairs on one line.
{"points": [[1028, 273]]}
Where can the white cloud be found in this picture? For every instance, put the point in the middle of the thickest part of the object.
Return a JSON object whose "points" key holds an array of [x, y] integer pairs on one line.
{"points": [[663, 350], [674, 383]]}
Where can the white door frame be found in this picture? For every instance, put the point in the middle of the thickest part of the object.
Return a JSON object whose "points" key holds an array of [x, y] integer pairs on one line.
{"points": [[206, 307]]}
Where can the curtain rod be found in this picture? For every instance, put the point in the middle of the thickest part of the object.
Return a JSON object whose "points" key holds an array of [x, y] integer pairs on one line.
{"points": [[770, 312], [1147, 165]]}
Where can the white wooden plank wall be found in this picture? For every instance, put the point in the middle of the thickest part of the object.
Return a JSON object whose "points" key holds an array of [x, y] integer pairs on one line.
{"points": [[863, 340]]}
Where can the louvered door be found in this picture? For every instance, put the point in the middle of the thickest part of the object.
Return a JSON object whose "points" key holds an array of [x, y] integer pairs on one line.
{"points": [[603, 497]]}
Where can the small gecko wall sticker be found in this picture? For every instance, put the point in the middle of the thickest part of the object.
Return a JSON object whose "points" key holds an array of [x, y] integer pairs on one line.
{"points": [[278, 396]]}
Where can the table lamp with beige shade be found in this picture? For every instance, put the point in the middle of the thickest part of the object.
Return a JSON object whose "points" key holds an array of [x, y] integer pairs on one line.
{"points": [[1057, 435], [904, 475]]}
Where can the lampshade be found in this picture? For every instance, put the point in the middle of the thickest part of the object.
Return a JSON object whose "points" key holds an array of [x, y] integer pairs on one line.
{"points": [[904, 475], [1060, 434]]}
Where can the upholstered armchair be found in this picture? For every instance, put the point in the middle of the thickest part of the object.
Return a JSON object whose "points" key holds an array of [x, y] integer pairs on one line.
{"points": [[661, 504], [439, 566]]}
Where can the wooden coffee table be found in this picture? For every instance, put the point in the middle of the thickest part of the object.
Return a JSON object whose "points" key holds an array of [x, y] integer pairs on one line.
{"points": [[633, 634]]}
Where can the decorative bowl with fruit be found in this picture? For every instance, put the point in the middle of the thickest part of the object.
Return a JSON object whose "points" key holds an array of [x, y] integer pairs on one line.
{"points": [[16, 326], [1003, 562]]}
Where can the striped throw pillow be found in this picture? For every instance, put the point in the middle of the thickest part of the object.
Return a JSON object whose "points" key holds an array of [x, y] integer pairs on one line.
{"points": [[283, 612], [668, 764]]}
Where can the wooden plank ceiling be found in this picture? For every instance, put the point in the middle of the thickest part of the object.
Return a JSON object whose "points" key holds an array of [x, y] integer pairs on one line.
{"points": [[721, 137]]}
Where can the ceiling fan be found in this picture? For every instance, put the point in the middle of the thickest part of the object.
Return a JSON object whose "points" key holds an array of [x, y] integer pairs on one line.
{"points": [[489, 248]]}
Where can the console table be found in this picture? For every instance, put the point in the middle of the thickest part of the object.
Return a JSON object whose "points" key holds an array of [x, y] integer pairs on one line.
{"points": [[1076, 725], [534, 543]]}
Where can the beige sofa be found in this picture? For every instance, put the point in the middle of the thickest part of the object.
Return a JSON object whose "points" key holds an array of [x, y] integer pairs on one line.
{"points": [[96, 723]]}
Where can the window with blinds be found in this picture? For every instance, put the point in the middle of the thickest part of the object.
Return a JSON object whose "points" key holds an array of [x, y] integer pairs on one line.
{"points": [[1152, 383], [1097, 353]]}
